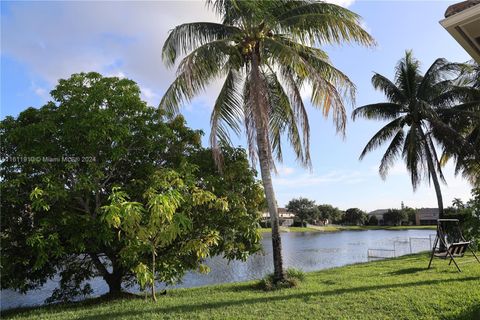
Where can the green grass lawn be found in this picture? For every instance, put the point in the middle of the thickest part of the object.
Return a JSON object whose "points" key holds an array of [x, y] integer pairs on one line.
{"points": [[335, 228], [399, 288]]}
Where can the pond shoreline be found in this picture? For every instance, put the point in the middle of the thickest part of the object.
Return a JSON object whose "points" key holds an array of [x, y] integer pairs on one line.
{"points": [[338, 228], [360, 286], [307, 251]]}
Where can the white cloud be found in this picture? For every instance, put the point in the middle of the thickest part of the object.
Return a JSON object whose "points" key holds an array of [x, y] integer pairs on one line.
{"points": [[61, 38], [284, 171], [40, 92], [149, 96]]}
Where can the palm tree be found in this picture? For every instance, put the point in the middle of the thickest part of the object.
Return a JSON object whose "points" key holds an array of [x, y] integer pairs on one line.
{"points": [[464, 117], [265, 51], [415, 126]]}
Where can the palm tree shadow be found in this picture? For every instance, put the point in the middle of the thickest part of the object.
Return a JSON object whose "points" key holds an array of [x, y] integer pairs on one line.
{"points": [[407, 271], [470, 313]]}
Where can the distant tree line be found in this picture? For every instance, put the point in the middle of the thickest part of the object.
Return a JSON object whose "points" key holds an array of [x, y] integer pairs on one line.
{"points": [[308, 212]]}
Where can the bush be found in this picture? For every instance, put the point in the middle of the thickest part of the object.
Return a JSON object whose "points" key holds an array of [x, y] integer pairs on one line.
{"points": [[298, 223], [292, 279]]}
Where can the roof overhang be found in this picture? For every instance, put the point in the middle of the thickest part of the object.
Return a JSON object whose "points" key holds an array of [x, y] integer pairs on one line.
{"points": [[464, 27]]}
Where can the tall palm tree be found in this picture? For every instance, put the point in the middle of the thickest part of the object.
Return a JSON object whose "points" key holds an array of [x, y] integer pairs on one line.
{"points": [[265, 51], [415, 127]]}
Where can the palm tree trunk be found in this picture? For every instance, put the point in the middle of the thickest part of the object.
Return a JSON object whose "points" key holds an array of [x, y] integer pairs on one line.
{"points": [[433, 174], [436, 184], [272, 207], [265, 160]]}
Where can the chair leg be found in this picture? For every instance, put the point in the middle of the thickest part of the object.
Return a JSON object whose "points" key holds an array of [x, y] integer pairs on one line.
{"points": [[433, 251], [450, 261], [455, 262], [474, 255], [431, 258]]}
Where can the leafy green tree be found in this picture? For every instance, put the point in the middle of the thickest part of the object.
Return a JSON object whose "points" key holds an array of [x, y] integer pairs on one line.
{"points": [[329, 212], [471, 226], [61, 163], [411, 215], [395, 217], [372, 220], [304, 209], [160, 228], [265, 50], [354, 216], [414, 126]]}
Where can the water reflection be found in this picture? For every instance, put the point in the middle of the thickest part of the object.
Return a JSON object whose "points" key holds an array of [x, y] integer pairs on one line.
{"points": [[307, 251]]}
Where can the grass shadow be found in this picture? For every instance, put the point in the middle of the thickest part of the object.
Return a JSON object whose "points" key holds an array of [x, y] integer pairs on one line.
{"points": [[192, 308], [89, 302], [471, 313], [407, 271], [242, 287]]}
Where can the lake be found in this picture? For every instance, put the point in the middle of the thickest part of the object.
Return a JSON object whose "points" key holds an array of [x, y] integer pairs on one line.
{"points": [[307, 251]]}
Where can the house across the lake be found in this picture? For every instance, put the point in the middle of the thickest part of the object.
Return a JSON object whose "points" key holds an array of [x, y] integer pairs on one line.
{"points": [[426, 216], [423, 216], [379, 215], [286, 217]]}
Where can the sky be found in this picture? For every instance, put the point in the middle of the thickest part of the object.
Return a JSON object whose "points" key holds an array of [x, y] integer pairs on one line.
{"points": [[42, 42]]}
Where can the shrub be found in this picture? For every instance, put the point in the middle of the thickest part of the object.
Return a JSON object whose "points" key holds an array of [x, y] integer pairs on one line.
{"points": [[298, 223]]}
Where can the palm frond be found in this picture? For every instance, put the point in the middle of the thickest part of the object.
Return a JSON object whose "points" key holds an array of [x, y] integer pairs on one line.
{"points": [[293, 86], [330, 86], [407, 75], [391, 153], [384, 134], [414, 154], [283, 119], [227, 113], [378, 111], [187, 37], [431, 152], [320, 22], [391, 91], [195, 72]]}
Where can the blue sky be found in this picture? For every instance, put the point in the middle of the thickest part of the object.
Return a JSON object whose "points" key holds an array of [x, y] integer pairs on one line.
{"points": [[42, 42]]}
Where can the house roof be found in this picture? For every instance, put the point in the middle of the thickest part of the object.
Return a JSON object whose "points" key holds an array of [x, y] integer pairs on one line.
{"points": [[378, 211], [427, 210], [459, 7]]}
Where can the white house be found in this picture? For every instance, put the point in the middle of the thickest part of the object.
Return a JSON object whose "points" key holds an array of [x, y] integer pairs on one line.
{"points": [[286, 217]]}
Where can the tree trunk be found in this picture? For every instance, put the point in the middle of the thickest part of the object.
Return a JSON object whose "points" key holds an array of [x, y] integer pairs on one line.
{"points": [[272, 209], [265, 160], [114, 281], [433, 174], [436, 184], [154, 297]]}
